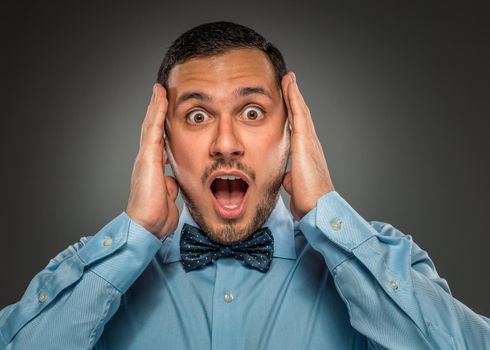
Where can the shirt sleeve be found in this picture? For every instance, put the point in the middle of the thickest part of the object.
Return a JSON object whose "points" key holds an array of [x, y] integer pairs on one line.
{"points": [[68, 303], [393, 293]]}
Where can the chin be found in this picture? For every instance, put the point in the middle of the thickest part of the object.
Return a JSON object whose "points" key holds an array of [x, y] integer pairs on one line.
{"points": [[225, 230]]}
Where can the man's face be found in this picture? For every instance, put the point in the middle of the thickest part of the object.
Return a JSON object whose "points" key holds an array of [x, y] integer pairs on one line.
{"points": [[228, 140]]}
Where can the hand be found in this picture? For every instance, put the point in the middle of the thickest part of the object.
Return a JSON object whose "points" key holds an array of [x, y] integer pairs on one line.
{"points": [[152, 197], [309, 178]]}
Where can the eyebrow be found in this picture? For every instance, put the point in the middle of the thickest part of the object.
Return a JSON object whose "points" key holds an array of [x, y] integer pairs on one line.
{"points": [[192, 95], [240, 92], [245, 91]]}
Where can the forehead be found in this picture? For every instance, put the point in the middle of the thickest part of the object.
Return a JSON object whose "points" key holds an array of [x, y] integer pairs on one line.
{"points": [[223, 72]]}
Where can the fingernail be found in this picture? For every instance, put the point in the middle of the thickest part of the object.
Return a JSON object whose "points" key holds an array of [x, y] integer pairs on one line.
{"points": [[293, 77], [154, 89]]}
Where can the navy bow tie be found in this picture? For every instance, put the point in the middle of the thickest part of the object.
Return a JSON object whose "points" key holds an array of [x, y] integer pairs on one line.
{"points": [[197, 250]]}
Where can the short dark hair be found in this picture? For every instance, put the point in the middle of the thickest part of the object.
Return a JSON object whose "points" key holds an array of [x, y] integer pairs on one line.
{"points": [[211, 39]]}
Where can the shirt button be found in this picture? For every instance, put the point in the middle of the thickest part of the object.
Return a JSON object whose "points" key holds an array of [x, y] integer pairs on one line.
{"points": [[107, 241], [228, 297], [42, 297], [393, 285], [336, 224]]}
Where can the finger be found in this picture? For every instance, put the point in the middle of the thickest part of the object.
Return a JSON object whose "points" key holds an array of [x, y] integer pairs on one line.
{"points": [[286, 80], [148, 111], [153, 125], [302, 121], [155, 120]]}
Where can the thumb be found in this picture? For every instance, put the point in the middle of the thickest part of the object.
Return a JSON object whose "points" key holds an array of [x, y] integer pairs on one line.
{"points": [[172, 187], [287, 182]]}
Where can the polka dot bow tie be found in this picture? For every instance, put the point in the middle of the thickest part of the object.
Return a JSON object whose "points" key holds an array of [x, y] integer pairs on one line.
{"points": [[197, 250]]}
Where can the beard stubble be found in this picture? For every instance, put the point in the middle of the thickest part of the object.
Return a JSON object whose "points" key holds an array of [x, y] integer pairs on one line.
{"points": [[230, 232]]}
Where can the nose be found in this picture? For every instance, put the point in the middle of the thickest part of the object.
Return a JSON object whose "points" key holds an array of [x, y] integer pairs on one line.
{"points": [[226, 143]]}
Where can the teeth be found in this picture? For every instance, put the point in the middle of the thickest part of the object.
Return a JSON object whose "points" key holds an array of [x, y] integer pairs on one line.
{"points": [[226, 177], [231, 206]]}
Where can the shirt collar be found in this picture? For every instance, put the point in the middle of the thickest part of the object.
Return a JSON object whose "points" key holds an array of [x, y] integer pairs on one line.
{"points": [[280, 222]]}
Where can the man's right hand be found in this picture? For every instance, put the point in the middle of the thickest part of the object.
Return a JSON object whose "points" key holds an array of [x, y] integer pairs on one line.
{"points": [[152, 198]]}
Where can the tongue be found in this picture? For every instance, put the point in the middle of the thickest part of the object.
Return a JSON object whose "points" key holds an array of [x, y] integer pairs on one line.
{"points": [[229, 192]]}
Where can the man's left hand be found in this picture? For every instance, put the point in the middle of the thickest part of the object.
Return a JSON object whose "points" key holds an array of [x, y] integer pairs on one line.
{"points": [[308, 178]]}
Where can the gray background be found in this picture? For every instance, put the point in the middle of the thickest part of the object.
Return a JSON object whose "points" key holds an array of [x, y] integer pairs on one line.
{"points": [[399, 92]]}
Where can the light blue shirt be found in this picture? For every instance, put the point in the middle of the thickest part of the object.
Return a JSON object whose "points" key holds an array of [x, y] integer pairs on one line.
{"points": [[336, 282]]}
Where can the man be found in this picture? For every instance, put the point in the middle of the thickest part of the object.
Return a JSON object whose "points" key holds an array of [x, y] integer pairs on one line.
{"points": [[237, 270]]}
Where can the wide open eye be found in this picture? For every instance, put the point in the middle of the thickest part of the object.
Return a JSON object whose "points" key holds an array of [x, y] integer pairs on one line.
{"points": [[197, 117], [253, 113]]}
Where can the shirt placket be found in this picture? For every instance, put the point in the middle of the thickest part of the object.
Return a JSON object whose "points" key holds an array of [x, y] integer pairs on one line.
{"points": [[227, 309]]}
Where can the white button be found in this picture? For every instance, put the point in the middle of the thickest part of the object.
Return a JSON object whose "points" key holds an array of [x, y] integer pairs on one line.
{"points": [[336, 224], [393, 285], [107, 241], [228, 297], [42, 297]]}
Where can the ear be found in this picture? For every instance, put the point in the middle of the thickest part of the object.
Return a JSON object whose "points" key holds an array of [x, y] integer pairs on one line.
{"points": [[165, 143]]}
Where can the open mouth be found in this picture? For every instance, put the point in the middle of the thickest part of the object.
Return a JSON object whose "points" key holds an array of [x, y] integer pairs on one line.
{"points": [[229, 192]]}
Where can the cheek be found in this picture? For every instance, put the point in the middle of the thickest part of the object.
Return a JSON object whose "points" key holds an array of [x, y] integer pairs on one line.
{"points": [[274, 138], [190, 157], [268, 152]]}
